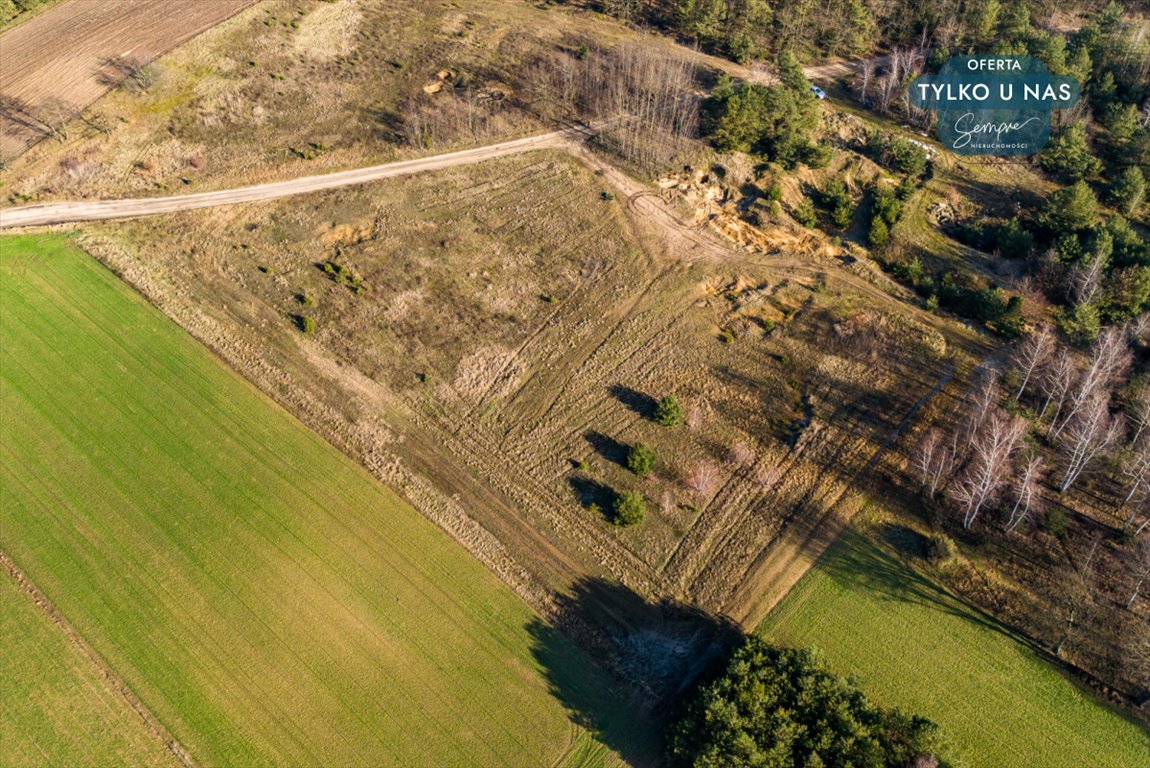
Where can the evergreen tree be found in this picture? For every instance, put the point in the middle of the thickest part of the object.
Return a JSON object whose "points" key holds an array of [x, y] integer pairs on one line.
{"points": [[1128, 190], [1068, 155]]}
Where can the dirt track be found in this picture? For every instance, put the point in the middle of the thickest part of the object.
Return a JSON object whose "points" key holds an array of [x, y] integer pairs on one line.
{"points": [[60, 213], [57, 63]]}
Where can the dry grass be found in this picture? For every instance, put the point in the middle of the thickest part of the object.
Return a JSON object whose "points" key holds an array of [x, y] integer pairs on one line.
{"points": [[514, 331]]}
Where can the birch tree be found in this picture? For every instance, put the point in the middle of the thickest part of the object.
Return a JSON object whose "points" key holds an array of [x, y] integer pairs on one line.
{"points": [[1031, 355], [1139, 569], [1091, 432], [1138, 411], [1109, 360], [1074, 599], [1135, 469], [935, 460], [1026, 490], [989, 467], [983, 403], [1056, 381]]}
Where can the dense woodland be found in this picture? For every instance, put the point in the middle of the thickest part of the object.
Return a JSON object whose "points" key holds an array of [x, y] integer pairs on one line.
{"points": [[780, 707]]}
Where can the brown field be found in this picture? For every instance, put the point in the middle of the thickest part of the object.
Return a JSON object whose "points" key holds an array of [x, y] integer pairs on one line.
{"points": [[58, 62], [513, 334]]}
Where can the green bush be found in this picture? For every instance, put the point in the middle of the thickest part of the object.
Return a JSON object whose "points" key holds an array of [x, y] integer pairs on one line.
{"points": [[305, 323], [878, 235], [630, 508], [837, 199], [897, 154], [669, 413], [641, 459], [940, 549], [773, 121], [819, 155], [1055, 522], [804, 213], [885, 204]]}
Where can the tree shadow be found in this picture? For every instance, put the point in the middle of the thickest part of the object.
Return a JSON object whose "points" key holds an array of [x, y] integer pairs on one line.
{"points": [[589, 491], [856, 561], [906, 541], [638, 402], [651, 656], [389, 124], [607, 447]]}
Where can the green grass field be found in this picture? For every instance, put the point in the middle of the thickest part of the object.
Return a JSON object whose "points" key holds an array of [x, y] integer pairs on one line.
{"points": [[262, 595], [57, 708], [915, 647]]}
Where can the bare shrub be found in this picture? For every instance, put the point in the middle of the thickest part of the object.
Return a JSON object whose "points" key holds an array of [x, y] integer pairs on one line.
{"points": [[130, 73], [703, 479], [740, 456], [768, 476]]}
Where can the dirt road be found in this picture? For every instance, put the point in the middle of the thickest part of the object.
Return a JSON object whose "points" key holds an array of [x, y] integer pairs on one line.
{"points": [[65, 212], [60, 61]]}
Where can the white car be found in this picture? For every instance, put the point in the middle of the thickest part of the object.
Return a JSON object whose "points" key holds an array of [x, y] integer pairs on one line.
{"points": [[818, 92]]}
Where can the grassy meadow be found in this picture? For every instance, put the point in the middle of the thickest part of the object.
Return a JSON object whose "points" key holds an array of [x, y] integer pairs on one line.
{"points": [[915, 647], [57, 707], [262, 595]]}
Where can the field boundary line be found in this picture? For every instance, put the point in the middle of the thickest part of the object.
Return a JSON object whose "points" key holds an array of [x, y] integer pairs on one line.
{"points": [[114, 681]]}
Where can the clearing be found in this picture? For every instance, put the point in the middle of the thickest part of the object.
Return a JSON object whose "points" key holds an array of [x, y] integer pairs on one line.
{"points": [[293, 611], [915, 646]]}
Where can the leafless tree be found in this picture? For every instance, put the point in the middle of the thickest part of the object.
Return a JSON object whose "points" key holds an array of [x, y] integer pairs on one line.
{"points": [[983, 402], [989, 467], [48, 120], [646, 95], [1109, 360], [1138, 411], [703, 479], [1139, 506], [130, 73], [1135, 469], [1031, 355], [698, 413], [1139, 568], [1055, 382], [934, 460], [1026, 490], [763, 74], [1075, 597], [768, 475], [865, 76], [1136, 652], [1086, 280], [741, 457], [1091, 432]]}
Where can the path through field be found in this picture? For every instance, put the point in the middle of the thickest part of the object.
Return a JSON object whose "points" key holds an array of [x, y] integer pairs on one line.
{"points": [[57, 63]]}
